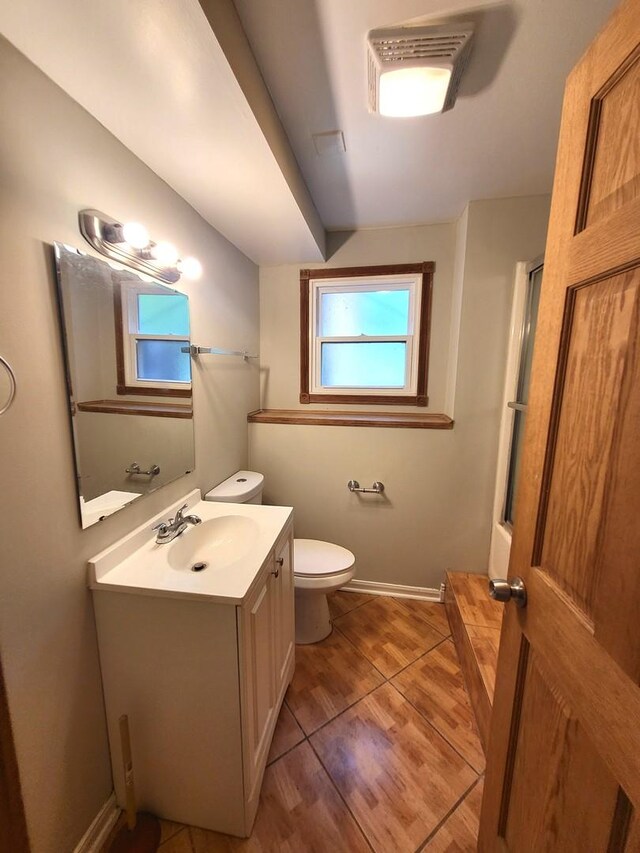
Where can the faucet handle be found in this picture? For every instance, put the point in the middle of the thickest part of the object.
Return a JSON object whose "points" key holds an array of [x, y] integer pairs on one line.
{"points": [[162, 527], [179, 517]]}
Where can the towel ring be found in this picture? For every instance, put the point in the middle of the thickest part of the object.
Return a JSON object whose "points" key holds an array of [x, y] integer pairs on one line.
{"points": [[12, 386]]}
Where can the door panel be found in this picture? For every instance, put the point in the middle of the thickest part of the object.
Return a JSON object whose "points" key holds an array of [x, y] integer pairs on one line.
{"points": [[555, 759], [563, 771], [258, 678], [284, 621], [602, 325], [612, 171]]}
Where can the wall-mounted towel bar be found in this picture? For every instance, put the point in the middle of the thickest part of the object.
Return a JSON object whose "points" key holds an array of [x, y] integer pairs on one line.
{"points": [[134, 468], [12, 386], [195, 351], [376, 489]]}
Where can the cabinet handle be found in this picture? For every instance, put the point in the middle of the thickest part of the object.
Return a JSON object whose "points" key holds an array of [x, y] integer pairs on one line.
{"points": [[276, 573], [280, 561]]}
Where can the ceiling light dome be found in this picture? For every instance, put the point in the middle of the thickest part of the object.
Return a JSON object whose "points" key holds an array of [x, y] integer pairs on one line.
{"points": [[416, 71]]}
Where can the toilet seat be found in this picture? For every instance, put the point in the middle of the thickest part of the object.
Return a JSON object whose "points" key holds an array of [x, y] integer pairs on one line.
{"points": [[316, 559]]}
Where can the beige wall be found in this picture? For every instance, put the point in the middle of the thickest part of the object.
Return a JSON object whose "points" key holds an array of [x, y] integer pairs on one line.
{"points": [[54, 160], [436, 512]]}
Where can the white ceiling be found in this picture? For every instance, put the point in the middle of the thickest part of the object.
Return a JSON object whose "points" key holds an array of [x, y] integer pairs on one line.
{"points": [[154, 74], [498, 141]]}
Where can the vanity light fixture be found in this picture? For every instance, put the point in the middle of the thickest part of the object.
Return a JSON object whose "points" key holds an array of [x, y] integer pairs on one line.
{"points": [[416, 71], [135, 235], [130, 244], [190, 268], [165, 253]]}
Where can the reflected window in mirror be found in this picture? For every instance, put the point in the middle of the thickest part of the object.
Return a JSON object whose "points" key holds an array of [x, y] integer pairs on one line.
{"points": [[153, 330]]}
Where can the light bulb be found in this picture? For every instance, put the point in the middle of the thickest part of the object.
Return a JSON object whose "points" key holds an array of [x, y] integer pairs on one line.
{"points": [[190, 267], [135, 234], [165, 253]]}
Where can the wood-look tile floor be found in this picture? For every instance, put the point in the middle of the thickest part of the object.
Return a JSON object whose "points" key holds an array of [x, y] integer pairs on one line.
{"points": [[476, 608], [375, 747]]}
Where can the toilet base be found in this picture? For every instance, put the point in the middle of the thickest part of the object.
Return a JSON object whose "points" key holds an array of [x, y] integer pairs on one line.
{"points": [[319, 568], [313, 621]]}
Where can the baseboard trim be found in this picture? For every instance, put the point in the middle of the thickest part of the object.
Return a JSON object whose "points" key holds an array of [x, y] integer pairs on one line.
{"points": [[395, 590], [101, 826]]}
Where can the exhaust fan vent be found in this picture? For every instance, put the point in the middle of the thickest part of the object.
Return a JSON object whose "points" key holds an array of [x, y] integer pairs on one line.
{"points": [[438, 56]]}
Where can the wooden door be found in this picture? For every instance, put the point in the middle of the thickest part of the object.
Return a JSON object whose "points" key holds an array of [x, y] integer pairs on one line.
{"points": [[564, 754]]}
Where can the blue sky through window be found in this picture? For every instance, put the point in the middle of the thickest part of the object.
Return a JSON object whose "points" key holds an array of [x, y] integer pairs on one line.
{"points": [[365, 312], [163, 314]]}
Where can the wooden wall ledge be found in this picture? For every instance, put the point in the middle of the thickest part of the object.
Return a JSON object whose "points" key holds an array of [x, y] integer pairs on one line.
{"points": [[397, 420], [134, 407]]}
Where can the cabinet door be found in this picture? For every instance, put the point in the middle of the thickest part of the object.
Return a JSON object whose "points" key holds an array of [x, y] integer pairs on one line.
{"points": [[258, 676], [284, 643]]}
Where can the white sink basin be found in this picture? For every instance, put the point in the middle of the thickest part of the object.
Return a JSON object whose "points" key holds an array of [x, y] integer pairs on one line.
{"points": [[218, 543], [233, 541]]}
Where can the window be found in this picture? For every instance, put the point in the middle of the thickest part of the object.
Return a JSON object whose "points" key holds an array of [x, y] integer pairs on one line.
{"points": [[153, 329], [365, 334]]}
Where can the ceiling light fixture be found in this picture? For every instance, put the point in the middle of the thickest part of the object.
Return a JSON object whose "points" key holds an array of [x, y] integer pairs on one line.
{"points": [[415, 71], [130, 244]]}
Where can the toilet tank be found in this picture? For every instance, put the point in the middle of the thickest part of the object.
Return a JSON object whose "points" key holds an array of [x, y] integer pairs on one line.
{"points": [[243, 487]]}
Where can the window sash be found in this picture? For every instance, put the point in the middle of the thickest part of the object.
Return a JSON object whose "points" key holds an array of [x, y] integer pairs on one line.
{"points": [[318, 287], [132, 336]]}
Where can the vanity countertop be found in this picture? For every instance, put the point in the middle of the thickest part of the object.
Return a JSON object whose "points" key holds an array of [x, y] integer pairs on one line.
{"points": [[234, 540]]}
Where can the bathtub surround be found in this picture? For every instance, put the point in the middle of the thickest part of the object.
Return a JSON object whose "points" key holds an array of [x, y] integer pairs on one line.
{"points": [[55, 160], [435, 513]]}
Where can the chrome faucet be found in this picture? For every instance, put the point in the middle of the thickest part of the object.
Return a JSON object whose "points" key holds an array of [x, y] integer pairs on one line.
{"points": [[169, 530]]}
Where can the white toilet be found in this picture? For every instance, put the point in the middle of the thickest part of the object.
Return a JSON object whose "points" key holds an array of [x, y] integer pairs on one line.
{"points": [[319, 567]]}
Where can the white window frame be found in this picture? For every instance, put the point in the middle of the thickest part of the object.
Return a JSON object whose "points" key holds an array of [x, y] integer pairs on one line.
{"points": [[130, 336], [317, 287]]}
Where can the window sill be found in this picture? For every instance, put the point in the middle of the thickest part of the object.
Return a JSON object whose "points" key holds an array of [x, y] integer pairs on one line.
{"points": [[131, 407], [397, 420]]}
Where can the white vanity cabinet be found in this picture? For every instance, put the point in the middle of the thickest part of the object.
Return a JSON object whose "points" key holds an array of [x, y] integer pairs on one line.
{"points": [[202, 682], [266, 635]]}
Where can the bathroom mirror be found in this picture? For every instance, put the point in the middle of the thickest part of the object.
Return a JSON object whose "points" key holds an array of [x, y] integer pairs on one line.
{"points": [[129, 381]]}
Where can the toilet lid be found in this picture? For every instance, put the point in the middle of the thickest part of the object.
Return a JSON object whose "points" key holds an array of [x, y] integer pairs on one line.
{"points": [[313, 557]]}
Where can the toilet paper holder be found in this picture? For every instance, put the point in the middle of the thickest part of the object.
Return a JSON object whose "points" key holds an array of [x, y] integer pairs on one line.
{"points": [[376, 489]]}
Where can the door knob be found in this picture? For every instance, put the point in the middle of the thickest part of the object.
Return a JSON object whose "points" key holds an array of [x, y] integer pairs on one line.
{"points": [[508, 590]]}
